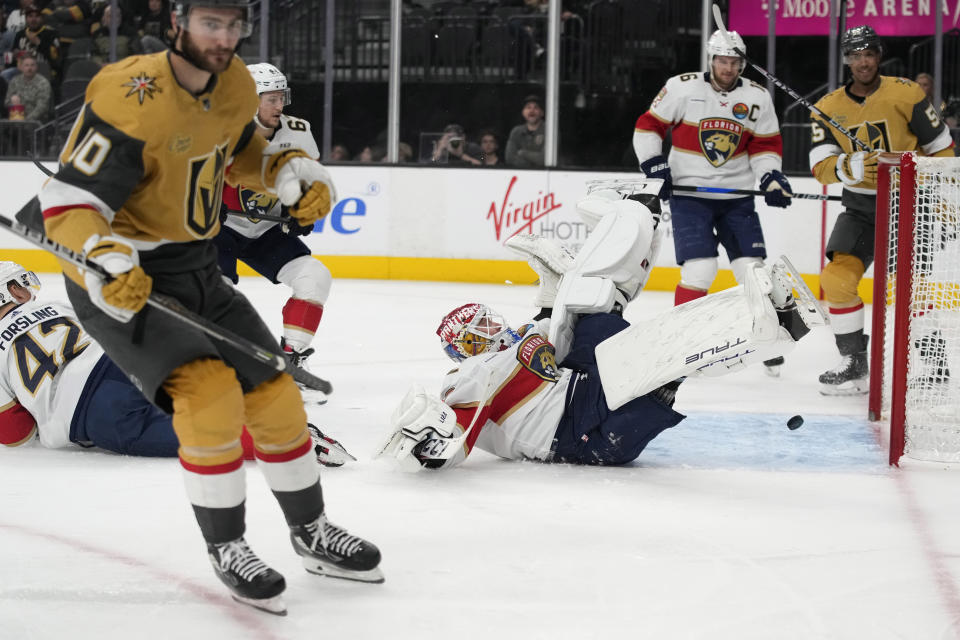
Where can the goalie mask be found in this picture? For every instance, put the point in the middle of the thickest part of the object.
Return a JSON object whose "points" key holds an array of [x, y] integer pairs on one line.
{"points": [[13, 272], [472, 329]]}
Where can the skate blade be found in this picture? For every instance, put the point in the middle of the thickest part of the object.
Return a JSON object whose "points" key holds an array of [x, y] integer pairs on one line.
{"points": [[850, 388], [274, 605], [318, 568]]}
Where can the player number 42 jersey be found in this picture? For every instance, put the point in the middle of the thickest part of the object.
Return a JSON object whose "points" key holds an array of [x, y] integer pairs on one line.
{"points": [[293, 133], [720, 138], [38, 342]]}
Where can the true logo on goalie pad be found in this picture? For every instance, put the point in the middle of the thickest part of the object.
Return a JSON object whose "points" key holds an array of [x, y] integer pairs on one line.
{"points": [[712, 351], [537, 355]]}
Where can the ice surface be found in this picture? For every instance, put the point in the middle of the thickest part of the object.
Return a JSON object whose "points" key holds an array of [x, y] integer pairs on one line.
{"points": [[729, 526]]}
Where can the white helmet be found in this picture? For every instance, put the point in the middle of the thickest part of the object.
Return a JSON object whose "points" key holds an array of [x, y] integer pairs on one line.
{"points": [[269, 78], [13, 272], [717, 45]]}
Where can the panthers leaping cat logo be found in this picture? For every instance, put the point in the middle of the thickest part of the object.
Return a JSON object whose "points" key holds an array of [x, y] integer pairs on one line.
{"points": [[719, 139]]}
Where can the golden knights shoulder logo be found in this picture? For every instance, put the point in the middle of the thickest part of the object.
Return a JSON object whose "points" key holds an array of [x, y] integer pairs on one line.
{"points": [[205, 190], [719, 139], [143, 86], [256, 204]]}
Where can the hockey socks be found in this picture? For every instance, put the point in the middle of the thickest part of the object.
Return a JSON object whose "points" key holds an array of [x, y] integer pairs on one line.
{"points": [[300, 321]]}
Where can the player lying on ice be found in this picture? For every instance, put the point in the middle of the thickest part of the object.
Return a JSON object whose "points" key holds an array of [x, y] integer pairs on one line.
{"points": [[613, 391], [58, 387]]}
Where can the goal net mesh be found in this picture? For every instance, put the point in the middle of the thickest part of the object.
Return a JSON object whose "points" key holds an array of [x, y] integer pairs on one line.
{"points": [[932, 399]]}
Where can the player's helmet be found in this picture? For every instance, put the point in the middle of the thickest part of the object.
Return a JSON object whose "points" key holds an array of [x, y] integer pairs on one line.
{"points": [[472, 329], [268, 79], [181, 11], [717, 45], [859, 39], [13, 272]]}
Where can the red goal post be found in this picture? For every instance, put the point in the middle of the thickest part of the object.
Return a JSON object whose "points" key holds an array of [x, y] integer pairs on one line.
{"points": [[916, 307]]}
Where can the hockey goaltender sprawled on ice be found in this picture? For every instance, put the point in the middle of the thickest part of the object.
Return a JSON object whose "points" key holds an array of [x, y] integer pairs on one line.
{"points": [[614, 388]]}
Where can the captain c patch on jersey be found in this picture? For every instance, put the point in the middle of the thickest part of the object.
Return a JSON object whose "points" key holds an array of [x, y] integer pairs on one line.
{"points": [[537, 355], [719, 139]]}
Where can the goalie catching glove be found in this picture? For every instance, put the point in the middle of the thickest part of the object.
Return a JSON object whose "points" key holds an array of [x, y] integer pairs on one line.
{"points": [[307, 188], [421, 435], [123, 296]]}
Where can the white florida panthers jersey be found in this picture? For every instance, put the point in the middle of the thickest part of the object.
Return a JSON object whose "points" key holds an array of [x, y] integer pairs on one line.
{"points": [[720, 138], [47, 358], [520, 393], [293, 133]]}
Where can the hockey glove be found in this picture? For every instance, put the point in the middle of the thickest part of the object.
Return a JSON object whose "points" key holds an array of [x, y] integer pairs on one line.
{"points": [[293, 227], [124, 295], [657, 167], [422, 432], [330, 453], [857, 167], [776, 188], [307, 188]]}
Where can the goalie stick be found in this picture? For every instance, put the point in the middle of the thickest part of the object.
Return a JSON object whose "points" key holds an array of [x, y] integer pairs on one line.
{"points": [[173, 308], [259, 217], [718, 18], [752, 192]]}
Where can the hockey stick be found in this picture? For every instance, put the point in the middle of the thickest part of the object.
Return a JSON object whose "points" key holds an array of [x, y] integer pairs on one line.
{"points": [[173, 308], [752, 192], [258, 218], [718, 18]]}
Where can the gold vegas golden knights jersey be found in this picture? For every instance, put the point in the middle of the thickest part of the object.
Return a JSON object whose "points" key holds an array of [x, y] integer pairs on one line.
{"points": [[895, 117], [151, 158]]}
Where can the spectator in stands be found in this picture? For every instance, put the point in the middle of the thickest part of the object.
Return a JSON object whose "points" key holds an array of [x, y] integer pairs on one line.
{"points": [[525, 144], [153, 24], [404, 152], [925, 80], [951, 116], [6, 38], [128, 41], [489, 149], [16, 19], [38, 38], [452, 148], [71, 19], [30, 90], [339, 153]]}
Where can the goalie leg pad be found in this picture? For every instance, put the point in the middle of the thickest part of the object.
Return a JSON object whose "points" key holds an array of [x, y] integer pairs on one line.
{"points": [[713, 335], [549, 259], [618, 249]]}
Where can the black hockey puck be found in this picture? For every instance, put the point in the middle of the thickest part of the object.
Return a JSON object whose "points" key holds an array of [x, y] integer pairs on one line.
{"points": [[795, 423]]}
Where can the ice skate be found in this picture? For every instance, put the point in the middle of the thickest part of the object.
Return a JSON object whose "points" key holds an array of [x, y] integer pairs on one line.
{"points": [[299, 359], [328, 550], [787, 279], [849, 378], [250, 580], [330, 453]]}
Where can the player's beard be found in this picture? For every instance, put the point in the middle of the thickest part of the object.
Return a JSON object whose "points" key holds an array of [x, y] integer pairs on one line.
{"points": [[206, 59]]}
